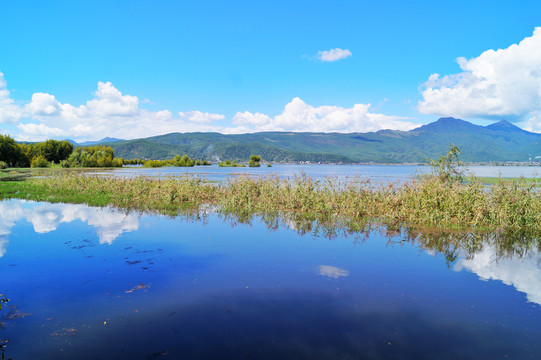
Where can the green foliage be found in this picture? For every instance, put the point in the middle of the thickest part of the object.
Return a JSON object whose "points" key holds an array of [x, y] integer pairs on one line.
{"points": [[133, 161], [10, 152], [477, 143], [183, 161], [177, 161], [53, 151], [255, 161], [3, 165], [21, 155], [153, 163], [448, 167], [39, 162], [94, 156], [430, 203], [229, 163]]}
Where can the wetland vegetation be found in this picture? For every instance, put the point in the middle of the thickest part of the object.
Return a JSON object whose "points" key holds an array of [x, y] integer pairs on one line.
{"points": [[444, 200]]}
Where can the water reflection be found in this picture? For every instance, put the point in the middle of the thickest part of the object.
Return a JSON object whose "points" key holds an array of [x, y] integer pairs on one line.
{"points": [[45, 218], [10, 213], [256, 289], [332, 271], [522, 272]]}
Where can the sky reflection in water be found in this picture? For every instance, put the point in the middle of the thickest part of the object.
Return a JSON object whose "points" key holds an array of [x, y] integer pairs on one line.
{"points": [[91, 283]]}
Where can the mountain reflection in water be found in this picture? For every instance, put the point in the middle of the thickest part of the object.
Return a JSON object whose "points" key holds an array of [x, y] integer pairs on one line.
{"points": [[100, 283]]}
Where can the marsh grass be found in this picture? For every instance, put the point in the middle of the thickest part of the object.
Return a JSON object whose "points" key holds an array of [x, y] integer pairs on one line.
{"points": [[429, 202], [452, 218]]}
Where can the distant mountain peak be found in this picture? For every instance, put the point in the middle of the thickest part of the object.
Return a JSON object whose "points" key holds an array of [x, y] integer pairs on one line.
{"points": [[448, 124], [104, 140], [504, 125]]}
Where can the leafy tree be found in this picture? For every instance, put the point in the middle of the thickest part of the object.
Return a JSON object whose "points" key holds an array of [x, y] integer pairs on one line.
{"points": [[94, 156], [56, 151], [39, 162], [255, 161], [10, 152], [448, 167]]}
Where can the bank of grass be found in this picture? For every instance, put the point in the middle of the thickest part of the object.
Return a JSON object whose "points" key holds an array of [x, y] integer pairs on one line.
{"points": [[498, 180], [429, 202]]}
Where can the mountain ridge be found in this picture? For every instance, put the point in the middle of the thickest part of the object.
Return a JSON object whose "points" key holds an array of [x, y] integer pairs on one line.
{"points": [[501, 141]]}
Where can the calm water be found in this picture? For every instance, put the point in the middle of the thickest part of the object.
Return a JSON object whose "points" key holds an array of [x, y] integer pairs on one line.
{"points": [[88, 283], [377, 173]]}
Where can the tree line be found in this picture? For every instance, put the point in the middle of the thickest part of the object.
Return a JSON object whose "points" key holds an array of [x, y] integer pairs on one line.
{"points": [[53, 152], [63, 154]]}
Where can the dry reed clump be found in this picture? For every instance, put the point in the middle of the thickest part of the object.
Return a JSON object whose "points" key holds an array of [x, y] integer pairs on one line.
{"points": [[430, 202]]}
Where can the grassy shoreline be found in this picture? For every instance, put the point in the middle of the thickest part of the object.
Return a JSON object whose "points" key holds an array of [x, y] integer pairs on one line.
{"points": [[428, 203]]}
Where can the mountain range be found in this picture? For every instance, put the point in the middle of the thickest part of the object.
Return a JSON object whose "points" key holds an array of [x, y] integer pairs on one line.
{"points": [[498, 142]]}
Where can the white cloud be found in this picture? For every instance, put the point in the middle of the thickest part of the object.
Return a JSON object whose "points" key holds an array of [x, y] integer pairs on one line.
{"points": [[10, 212], [111, 113], [332, 271], [200, 117], [43, 104], [522, 273], [333, 54], [108, 113], [299, 116], [9, 111], [40, 130], [109, 224], [108, 101], [505, 83]]}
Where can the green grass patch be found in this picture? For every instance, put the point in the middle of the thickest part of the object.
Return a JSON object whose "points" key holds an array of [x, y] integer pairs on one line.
{"points": [[498, 180], [431, 202]]}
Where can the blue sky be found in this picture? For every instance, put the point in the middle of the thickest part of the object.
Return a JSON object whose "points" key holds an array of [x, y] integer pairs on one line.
{"points": [[241, 66]]}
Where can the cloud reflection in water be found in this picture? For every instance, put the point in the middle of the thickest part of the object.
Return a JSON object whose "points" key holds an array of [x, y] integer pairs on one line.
{"points": [[332, 271], [45, 218], [523, 273]]}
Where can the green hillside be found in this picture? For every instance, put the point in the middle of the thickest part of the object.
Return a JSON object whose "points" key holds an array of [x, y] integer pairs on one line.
{"points": [[497, 142]]}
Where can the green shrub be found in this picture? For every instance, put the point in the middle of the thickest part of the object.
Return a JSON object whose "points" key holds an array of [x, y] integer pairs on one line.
{"points": [[255, 161], [39, 162]]}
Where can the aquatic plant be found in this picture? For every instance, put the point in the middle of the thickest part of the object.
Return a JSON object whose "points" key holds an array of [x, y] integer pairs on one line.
{"points": [[440, 201]]}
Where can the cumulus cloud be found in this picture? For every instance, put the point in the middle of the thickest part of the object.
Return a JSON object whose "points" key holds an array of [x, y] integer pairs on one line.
{"points": [[40, 130], [333, 54], [108, 113], [522, 273], [9, 214], [43, 104], [109, 224], [9, 111], [111, 113], [299, 116], [504, 83], [200, 117], [332, 271]]}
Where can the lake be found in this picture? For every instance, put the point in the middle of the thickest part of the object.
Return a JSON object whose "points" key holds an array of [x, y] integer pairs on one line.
{"points": [[96, 283], [377, 173]]}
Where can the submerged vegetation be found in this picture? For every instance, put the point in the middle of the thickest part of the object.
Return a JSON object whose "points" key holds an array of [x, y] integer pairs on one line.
{"points": [[431, 202], [443, 201]]}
